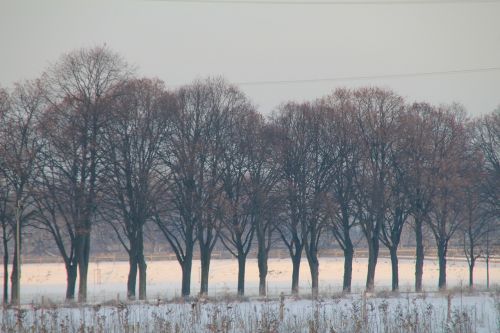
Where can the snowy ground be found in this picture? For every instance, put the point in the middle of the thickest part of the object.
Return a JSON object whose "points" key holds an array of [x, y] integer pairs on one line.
{"points": [[456, 311], [107, 280], [409, 312]]}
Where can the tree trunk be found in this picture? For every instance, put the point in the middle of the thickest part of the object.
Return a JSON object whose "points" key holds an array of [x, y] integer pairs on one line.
{"points": [[142, 277], [487, 271], [206, 236], [262, 263], [5, 268], [186, 278], [141, 263], [262, 282], [395, 269], [71, 273], [14, 297], [83, 250], [314, 268], [419, 256], [15, 277], [132, 273], [186, 266], [373, 247], [241, 273], [471, 271], [312, 259], [348, 257], [295, 271], [442, 266], [205, 270], [137, 264]]}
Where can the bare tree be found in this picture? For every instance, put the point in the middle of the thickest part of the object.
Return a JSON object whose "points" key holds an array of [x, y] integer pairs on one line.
{"points": [[475, 227], [292, 158], [306, 167], [80, 87], [263, 201], [378, 113], [413, 167], [248, 178], [139, 125], [223, 101], [397, 216], [238, 231], [6, 215], [181, 157], [450, 169], [53, 213], [342, 208], [6, 218], [486, 138], [399, 206], [19, 147], [194, 159], [475, 216], [491, 245]]}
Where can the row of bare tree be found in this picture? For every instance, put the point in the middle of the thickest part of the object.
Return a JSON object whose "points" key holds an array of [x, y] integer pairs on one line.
{"points": [[89, 143]]}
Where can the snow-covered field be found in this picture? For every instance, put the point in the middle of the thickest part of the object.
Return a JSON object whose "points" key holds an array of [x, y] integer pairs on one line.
{"points": [[456, 311], [107, 280], [433, 312]]}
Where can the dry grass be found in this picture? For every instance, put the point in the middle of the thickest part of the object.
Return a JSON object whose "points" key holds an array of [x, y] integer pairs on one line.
{"points": [[392, 313]]}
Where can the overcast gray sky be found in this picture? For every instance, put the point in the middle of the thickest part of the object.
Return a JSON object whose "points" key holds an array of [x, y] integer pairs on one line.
{"points": [[178, 42]]}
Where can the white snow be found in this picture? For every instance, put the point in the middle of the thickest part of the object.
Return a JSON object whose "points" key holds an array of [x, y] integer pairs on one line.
{"points": [[409, 312], [107, 280]]}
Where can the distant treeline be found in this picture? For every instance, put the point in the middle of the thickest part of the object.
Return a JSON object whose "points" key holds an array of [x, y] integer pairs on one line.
{"points": [[89, 143]]}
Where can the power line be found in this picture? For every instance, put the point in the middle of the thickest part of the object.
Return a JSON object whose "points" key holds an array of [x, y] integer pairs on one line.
{"points": [[333, 2], [370, 77]]}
